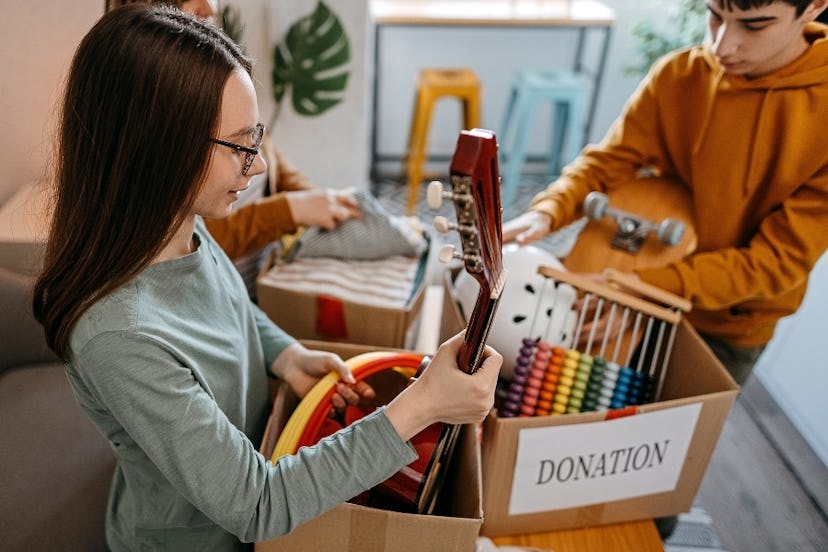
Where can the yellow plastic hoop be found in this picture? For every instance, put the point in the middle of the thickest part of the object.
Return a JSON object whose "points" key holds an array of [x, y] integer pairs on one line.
{"points": [[361, 366]]}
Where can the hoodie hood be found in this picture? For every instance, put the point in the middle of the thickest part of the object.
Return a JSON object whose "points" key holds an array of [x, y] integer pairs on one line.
{"points": [[808, 70]]}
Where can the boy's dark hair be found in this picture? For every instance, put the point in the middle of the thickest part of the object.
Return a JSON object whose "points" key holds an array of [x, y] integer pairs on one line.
{"points": [[800, 5]]}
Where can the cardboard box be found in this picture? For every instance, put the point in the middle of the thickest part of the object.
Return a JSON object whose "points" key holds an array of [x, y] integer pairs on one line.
{"points": [[578, 470], [354, 528], [307, 316]]}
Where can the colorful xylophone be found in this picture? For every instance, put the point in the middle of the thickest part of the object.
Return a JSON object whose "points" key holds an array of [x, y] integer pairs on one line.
{"points": [[603, 366]]}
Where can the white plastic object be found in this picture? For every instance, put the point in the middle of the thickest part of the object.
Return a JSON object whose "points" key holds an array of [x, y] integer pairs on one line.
{"points": [[441, 224], [446, 253], [670, 231], [595, 205], [434, 194], [529, 306]]}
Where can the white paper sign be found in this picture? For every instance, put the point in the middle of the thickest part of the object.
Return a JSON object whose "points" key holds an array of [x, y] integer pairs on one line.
{"points": [[577, 465]]}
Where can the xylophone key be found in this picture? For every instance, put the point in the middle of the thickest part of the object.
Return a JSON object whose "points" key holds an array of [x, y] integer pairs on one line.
{"points": [[636, 389], [532, 389], [566, 381], [608, 381], [514, 396], [593, 390], [550, 382], [648, 392], [579, 385], [620, 394]]}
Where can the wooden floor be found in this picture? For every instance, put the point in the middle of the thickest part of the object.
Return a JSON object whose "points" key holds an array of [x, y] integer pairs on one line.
{"points": [[765, 488]]}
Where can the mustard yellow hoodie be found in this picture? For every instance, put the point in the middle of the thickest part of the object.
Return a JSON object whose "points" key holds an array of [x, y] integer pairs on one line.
{"points": [[754, 157]]}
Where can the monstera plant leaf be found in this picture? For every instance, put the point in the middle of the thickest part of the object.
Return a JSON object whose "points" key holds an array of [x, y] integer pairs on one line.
{"points": [[310, 63], [231, 23]]}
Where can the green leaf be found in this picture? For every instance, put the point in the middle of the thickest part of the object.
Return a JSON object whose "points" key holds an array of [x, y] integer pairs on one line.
{"points": [[232, 24], [310, 63], [686, 26]]}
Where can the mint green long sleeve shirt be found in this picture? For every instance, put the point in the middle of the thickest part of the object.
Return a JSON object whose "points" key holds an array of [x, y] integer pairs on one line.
{"points": [[172, 368]]}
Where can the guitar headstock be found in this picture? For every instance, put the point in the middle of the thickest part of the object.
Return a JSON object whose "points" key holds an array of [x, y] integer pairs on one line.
{"points": [[475, 191]]}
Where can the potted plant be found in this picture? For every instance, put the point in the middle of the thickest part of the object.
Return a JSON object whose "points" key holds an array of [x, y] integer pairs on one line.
{"points": [[687, 26]]}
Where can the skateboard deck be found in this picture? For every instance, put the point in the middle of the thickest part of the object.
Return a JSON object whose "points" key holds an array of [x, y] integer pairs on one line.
{"points": [[651, 202]]}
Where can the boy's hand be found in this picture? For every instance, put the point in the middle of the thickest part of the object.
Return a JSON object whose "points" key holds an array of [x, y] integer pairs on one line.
{"points": [[528, 227], [323, 208]]}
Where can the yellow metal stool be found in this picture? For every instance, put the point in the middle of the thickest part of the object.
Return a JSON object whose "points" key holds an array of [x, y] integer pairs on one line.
{"points": [[432, 85]]}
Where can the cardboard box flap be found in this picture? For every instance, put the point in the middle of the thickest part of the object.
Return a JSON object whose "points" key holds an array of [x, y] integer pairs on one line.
{"points": [[361, 529]]}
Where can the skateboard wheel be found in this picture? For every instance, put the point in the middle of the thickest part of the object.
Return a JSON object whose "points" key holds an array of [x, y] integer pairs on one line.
{"points": [[595, 205], [670, 231]]}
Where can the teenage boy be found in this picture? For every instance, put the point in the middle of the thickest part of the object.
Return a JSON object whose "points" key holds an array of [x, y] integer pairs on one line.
{"points": [[739, 122]]}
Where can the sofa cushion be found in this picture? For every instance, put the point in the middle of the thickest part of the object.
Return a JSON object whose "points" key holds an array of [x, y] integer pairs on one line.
{"points": [[21, 335], [56, 467]]}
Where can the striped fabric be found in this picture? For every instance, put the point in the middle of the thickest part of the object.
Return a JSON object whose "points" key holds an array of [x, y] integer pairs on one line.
{"points": [[388, 282]]}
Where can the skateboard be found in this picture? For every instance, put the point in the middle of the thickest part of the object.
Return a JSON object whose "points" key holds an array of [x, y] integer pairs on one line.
{"points": [[646, 224]]}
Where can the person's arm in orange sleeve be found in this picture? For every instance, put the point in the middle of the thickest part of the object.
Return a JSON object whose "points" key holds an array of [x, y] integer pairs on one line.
{"points": [[282, 175], [254, 225], [294, 202]]}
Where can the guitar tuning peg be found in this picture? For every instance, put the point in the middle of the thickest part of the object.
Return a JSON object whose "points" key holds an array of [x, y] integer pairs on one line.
{"points": [[442, 224], [435, 194], [447, 253]]}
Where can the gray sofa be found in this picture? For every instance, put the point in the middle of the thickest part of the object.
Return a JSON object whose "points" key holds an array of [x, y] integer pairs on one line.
{"points": [[56, 467]]}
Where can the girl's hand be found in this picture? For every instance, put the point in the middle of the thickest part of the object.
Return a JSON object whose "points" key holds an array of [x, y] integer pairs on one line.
{"points": [[302, 368], [444, 393]]}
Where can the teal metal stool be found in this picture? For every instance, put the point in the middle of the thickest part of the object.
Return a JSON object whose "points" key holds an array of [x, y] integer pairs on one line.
{"points": [[567, 90]]}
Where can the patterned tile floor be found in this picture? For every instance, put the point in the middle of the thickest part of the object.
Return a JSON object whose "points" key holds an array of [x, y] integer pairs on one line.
{"points": [[694, 531], [393, 196]]}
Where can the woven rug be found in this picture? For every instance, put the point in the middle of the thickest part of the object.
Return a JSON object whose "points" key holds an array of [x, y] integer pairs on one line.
{"points": [[694, 530]]}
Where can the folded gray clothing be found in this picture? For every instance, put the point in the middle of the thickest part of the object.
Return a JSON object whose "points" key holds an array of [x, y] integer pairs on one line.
{"points": [[378, 234]]}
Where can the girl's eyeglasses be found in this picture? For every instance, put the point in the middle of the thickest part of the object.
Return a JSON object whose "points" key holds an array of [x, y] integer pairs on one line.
{"points": [[249, 153]]}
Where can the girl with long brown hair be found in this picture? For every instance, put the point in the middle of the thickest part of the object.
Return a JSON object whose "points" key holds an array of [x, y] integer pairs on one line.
{"points": [[163, 348]]}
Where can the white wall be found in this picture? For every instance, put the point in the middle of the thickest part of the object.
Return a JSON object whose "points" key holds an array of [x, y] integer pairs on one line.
{"points": [[495, 54], [40, 37], [38, 40], [794, 366], [332, 149]]}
